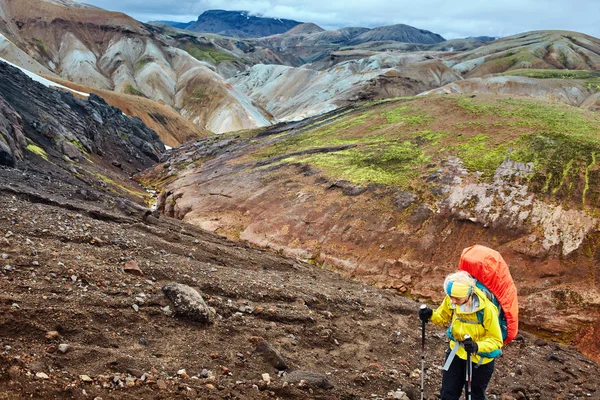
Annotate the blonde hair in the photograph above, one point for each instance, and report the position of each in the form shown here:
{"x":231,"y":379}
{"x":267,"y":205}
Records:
{"x":460,"y":277}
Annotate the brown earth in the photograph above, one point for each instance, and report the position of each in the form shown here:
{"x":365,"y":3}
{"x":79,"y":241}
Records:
{"x":63,"y":282}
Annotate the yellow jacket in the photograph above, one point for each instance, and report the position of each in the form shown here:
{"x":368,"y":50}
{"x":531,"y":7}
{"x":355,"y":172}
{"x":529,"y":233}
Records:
{"x":480,"y":323}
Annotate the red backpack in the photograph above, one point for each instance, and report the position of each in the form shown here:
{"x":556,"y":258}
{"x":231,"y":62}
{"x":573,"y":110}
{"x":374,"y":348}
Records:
{"x":493,"y":277}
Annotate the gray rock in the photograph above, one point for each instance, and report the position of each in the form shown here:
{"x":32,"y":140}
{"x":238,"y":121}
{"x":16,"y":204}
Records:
{"x":70,"y":150}
{"x":403,"y":200}
{"x":6,"y":156}
{"x":271,"y":355}
{"x":187,"y":302}
{"x":347,"y":188}
{"x":205,"y":373}
{"x":308,"y":379}
{"x":420,"y":215}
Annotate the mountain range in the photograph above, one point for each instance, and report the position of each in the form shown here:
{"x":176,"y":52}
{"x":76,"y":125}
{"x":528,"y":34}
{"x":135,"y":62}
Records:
{"x":241,"y":24}
{"x":377,"y":154}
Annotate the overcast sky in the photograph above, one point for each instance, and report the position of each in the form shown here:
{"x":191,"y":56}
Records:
{"x":451,"y":19}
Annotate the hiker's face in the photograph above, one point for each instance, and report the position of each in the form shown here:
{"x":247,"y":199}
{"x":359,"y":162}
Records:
{"x":459,"y":301}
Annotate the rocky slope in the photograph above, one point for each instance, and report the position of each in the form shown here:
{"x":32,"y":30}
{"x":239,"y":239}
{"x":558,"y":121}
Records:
{"x":71,"y":133}
{"x":390,"y":194}
{"x":111,"y":51}
{"x":172,"y":128}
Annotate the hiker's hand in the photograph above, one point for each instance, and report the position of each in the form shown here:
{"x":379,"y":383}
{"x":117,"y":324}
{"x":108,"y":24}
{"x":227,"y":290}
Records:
{"x":425,"y":314}
{"x":470,"y":346}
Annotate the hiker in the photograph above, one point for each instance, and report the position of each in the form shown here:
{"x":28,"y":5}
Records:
{"x":469,"y":313}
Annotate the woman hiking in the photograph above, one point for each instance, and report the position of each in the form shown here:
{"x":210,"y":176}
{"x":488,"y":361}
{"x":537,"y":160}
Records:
{"x":473,"y":328}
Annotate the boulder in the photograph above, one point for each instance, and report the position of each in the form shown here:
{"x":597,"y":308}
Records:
{"x":187,"y":302}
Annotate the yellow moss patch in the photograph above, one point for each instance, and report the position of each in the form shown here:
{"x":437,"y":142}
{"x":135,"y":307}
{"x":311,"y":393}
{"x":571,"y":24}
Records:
{"x":37,"y":150}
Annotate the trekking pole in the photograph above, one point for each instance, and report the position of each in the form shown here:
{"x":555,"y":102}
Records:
{"x":423,"y":306}
{"x":469,"y":370}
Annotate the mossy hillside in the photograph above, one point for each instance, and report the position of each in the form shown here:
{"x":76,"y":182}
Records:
{"x":510,"y":59}
{"x":142,"y":62}
{"x":589,"y":79}
{"x":79,"y":146}
{"x":561,"y":141}
{"x":205,"y":52}
{"x":379,"y":154}
{"x":554,"y":73}
{"x":397,"y":143}
{"x":200,"y":96}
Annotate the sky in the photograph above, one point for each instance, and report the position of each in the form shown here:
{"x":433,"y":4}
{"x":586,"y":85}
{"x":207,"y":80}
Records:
{"x":451,"y":19}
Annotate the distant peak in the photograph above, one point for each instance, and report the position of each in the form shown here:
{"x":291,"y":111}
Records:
{"x":240,"y":23}
{"x":305,"y":29}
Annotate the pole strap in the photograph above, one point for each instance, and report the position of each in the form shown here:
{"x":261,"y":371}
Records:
{"x":451,"y":356}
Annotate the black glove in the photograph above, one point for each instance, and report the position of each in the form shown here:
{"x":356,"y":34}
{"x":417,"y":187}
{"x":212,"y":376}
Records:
{"x":425,"y":314}
{"x":470,"y":346}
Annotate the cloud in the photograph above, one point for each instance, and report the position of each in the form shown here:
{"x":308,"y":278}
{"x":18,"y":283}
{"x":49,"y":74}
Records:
{"x":450,"y":19}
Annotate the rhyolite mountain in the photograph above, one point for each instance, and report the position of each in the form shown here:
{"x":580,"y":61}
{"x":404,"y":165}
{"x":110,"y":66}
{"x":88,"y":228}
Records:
{"x":240,"y":24}
{"x":182,"y":71}
{"x":311,"y":43}
{"x":530,"y":50}
{"x":553,"y":65}
{"x":111,"y":51}
{"x":536,"y":64}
